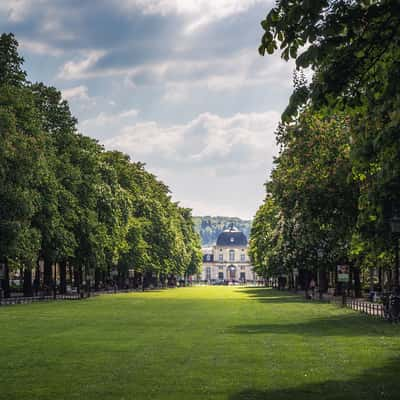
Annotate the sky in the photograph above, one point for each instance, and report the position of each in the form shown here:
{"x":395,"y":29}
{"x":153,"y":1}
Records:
{"x":176,"y":84}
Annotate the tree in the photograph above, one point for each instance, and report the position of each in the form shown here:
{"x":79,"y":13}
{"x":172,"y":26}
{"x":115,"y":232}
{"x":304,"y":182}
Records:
{"x":11,"y":72}
{"x":21,"y":153}
{"x":353,"y":49}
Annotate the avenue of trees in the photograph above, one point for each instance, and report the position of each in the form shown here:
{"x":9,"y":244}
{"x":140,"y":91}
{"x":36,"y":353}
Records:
{"x":334,"y":194}
{"x":66,"y":201}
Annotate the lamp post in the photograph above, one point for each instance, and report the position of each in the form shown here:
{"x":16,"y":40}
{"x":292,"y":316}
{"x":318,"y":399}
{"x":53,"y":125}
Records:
{"x":395,"y":229}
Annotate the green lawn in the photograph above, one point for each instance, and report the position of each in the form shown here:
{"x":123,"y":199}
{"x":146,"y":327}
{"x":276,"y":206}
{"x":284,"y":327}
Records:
{"x":196,"y":343}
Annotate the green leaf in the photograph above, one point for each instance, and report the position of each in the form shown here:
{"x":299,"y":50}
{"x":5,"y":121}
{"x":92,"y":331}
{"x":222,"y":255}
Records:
{"x":265,"y":25}
{"x":270,"y":48}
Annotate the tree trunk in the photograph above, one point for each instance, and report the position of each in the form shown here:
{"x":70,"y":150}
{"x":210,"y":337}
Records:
{"x":147,"y":279}
{"x":77,"y":278}
{"x":63,"y":277}
{"x":6,"y":280}
{"x":137,"y":279}
{"x":306,"y":277}
{"x":28,"y":289}
{"x":371,"y":279}
{"x":36,"y":281}
{"x":357,"y":282}
{"x":71,"y":274}
{"x":97,"y":278}
{"x":121,"y":280}
{"x":323,"y":282}
{"x":48,"y":274}
{"x":389,"y":278}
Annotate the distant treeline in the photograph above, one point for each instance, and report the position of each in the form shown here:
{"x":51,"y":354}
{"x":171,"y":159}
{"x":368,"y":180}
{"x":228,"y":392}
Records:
{"x":210,"y":227}
{"x":72,"y":213}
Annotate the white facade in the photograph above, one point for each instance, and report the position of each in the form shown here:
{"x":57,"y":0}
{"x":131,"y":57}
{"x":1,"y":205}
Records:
{"x":228,"y":261}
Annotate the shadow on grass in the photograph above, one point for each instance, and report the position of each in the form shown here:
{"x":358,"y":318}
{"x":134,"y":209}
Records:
{"x":349,"y":325}
{"x":376,"y":383}
{"x":267,"y":295}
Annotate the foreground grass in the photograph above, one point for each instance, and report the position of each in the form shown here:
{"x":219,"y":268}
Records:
{"x":196,"y":343}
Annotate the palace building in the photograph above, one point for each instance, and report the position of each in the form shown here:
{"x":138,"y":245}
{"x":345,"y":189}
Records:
{"x":228,"y":261}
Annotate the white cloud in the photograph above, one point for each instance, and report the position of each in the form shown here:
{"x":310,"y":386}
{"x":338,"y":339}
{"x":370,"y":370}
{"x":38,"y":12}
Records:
{"x":112,"y":120}
{"x":245,"y":69}
{"x":80,"y":69}
{"x":17,"y":10}
{"x":129,"y":113}
{"x":52,"y":25}
{"x":242,"y":141}
{"x":41,"y":48}
{"x":181,"y":78}
{"x":215,"y":7}
{"x":78,"y":92}
{"x":197,"y":12}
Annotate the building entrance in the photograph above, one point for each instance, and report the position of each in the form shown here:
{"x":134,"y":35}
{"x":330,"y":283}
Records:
{"x":232,"y":272}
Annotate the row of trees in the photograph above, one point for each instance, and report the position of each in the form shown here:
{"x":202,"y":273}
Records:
{"x":65,"y":200}
{"x":335,"y":187}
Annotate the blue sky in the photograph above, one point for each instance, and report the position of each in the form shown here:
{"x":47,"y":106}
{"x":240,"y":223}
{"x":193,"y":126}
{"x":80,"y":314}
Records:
{"x":177,"y":84}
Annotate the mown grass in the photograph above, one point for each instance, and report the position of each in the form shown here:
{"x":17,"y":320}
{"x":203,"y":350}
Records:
{"x":196,"y":343}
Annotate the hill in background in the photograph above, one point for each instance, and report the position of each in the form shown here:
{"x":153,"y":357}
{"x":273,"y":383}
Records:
{"x":210,"y":227}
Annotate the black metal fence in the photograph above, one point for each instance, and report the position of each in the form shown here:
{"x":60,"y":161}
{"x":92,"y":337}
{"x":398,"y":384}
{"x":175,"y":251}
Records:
{"x":26,"y":300}
{"x":71,"y":296}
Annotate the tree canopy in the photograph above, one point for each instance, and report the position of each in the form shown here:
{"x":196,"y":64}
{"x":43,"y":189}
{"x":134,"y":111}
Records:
{"x":336,"y":180}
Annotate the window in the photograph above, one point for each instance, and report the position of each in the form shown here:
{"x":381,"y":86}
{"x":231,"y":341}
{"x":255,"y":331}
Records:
{"x":243,"y":276}
{"x":208,"y":273}
{"x":231,"y":255}
{"x":243,"y":257}
{"x":221,"y":276}
{"x":220,"y":257}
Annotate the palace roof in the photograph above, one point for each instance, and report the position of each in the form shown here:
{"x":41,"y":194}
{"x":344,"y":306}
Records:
{"x":232,"y":237}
